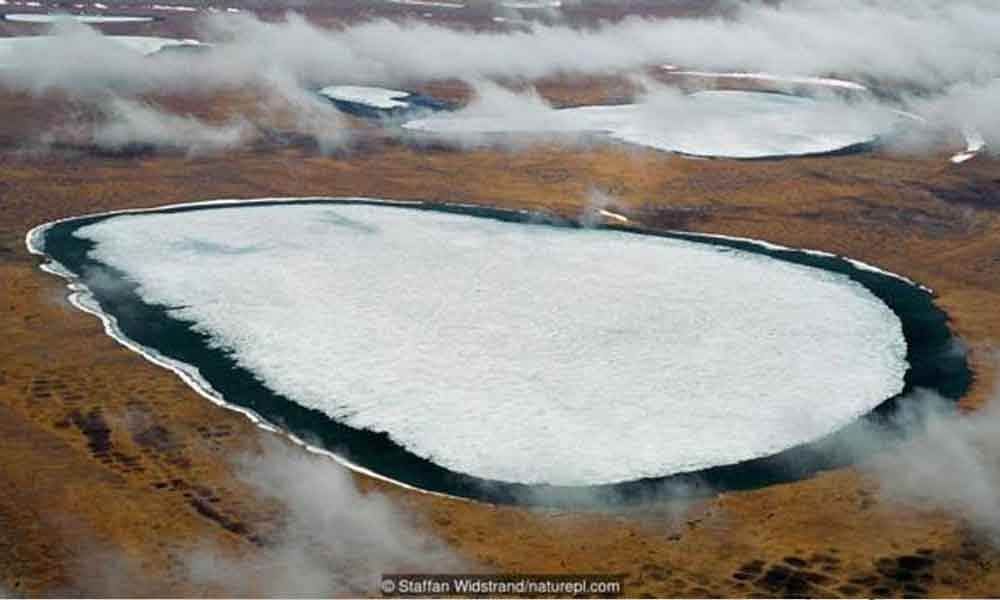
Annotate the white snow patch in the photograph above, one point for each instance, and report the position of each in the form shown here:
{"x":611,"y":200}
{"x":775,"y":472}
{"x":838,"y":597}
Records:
{"x":770,"y":77}
{"x":152,"y":45}
{"x":11,"y":46}
{"x":974,"y":144}
{"x":174,"y":8}
{"x":432,"y":3}
{"x":612,"y":215}
{"x":369,"y":96}
{"x":532,"y":4}
{"x":512,"y":21}
{"x":88,"y":19}
{"x":520,"y":352}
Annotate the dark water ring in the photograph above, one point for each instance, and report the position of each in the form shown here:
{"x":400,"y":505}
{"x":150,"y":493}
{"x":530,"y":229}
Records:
{"x":933,"y":364}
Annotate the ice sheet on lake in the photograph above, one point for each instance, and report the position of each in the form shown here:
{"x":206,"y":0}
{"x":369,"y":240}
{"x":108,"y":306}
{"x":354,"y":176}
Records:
{"x":772,"y":78}
{"x":518,"y":352}
{"x":88,"y":19}
{"x":10,"y":47}
{"x":369,"y":96}
{"x":727,"y":124}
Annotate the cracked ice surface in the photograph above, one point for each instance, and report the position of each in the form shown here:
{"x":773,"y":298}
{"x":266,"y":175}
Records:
{"x":515,"y":352}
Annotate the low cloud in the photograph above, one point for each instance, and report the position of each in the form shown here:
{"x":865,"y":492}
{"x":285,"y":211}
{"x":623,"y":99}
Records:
{"x":328,"y":539}
{"x":595,"y":210}
{"x":944,"y":459}
{"x":967,"y":107}
{"x":930,"y":45}
{"x":931,"y":455}
{"x":666,"y":118}
{"x":935,"y":58}
{"x":333,"y":540}
{"x":131,"y":124}
{"x":287,"y":105}
{"x":499,"y":117}
{"x":926,"y":44}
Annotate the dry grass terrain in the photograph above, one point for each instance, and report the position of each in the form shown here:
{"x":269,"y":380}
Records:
{"x":106,"y":454}
{"x":103,"y":450}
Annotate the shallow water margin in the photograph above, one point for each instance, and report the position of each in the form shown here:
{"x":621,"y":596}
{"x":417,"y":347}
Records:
{"x":150,"y":331}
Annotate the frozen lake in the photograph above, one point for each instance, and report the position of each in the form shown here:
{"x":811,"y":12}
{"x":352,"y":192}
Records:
{"x":721,"y":124}
{"x":520,"y":353}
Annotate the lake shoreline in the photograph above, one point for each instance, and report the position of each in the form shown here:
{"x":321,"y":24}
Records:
{"x":925,"y":329}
